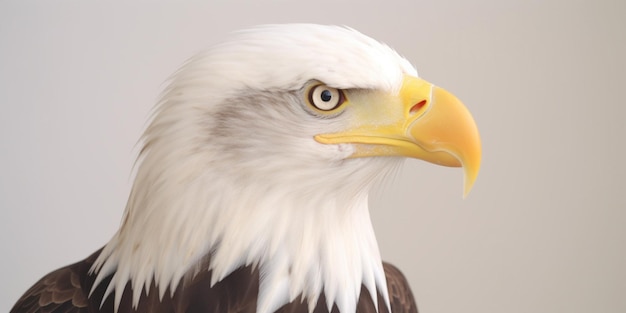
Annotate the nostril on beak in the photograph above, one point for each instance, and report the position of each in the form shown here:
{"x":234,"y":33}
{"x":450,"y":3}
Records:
{"x":418,"y":106}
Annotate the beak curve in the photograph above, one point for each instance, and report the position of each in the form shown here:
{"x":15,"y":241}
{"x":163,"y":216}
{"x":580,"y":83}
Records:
{"x":447,"y":130}
{"x":422,"y":121}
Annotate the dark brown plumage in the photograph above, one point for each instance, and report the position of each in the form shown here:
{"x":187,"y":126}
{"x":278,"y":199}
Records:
{"x":66,"y":290}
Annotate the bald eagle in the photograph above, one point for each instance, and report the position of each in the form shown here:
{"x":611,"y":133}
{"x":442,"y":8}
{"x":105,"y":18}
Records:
{"x":251,"y":193}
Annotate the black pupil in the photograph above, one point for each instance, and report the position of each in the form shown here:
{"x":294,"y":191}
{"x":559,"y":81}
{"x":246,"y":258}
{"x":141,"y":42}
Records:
{"x":326,"y":95}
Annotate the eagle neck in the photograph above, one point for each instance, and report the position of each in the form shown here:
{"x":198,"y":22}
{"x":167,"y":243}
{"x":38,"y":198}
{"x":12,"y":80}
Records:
{"x":302,"y":243}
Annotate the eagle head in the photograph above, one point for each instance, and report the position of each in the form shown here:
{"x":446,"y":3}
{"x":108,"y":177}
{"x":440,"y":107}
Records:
{"x":262,"y":151}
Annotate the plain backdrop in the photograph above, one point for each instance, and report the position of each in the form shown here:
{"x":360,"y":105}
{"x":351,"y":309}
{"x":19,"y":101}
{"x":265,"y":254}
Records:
{"x":542,"y":231}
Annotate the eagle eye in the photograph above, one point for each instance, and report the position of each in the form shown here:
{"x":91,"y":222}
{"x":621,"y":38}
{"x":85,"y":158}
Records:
{"x":325,"y":98}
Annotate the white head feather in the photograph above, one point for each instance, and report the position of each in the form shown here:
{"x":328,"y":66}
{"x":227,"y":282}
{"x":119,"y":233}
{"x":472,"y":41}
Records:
{"x":230,"y":169}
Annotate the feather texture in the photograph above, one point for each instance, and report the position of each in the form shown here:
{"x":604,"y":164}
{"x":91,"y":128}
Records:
{"x":65,"y":291}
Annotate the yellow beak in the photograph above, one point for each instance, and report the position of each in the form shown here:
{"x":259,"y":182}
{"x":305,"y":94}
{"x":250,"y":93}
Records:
{"x":422,"y":121}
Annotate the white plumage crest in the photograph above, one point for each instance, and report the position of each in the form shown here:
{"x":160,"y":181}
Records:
{"x":230,"y":170}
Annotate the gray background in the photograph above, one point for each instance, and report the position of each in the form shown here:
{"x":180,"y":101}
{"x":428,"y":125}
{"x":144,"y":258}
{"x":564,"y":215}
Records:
{"x":542,"y":231}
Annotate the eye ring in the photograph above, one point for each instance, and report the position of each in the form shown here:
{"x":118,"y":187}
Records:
{"x":325,"y":98}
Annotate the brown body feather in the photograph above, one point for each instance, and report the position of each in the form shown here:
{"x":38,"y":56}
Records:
{"x":66,"y":290}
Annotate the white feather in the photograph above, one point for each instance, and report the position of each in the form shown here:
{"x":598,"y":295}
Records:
{"x":230,"y":169}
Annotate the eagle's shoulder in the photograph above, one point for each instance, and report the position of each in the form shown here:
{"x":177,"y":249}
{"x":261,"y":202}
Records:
{"x":400,"y":295}
{"x":62,"y":290}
